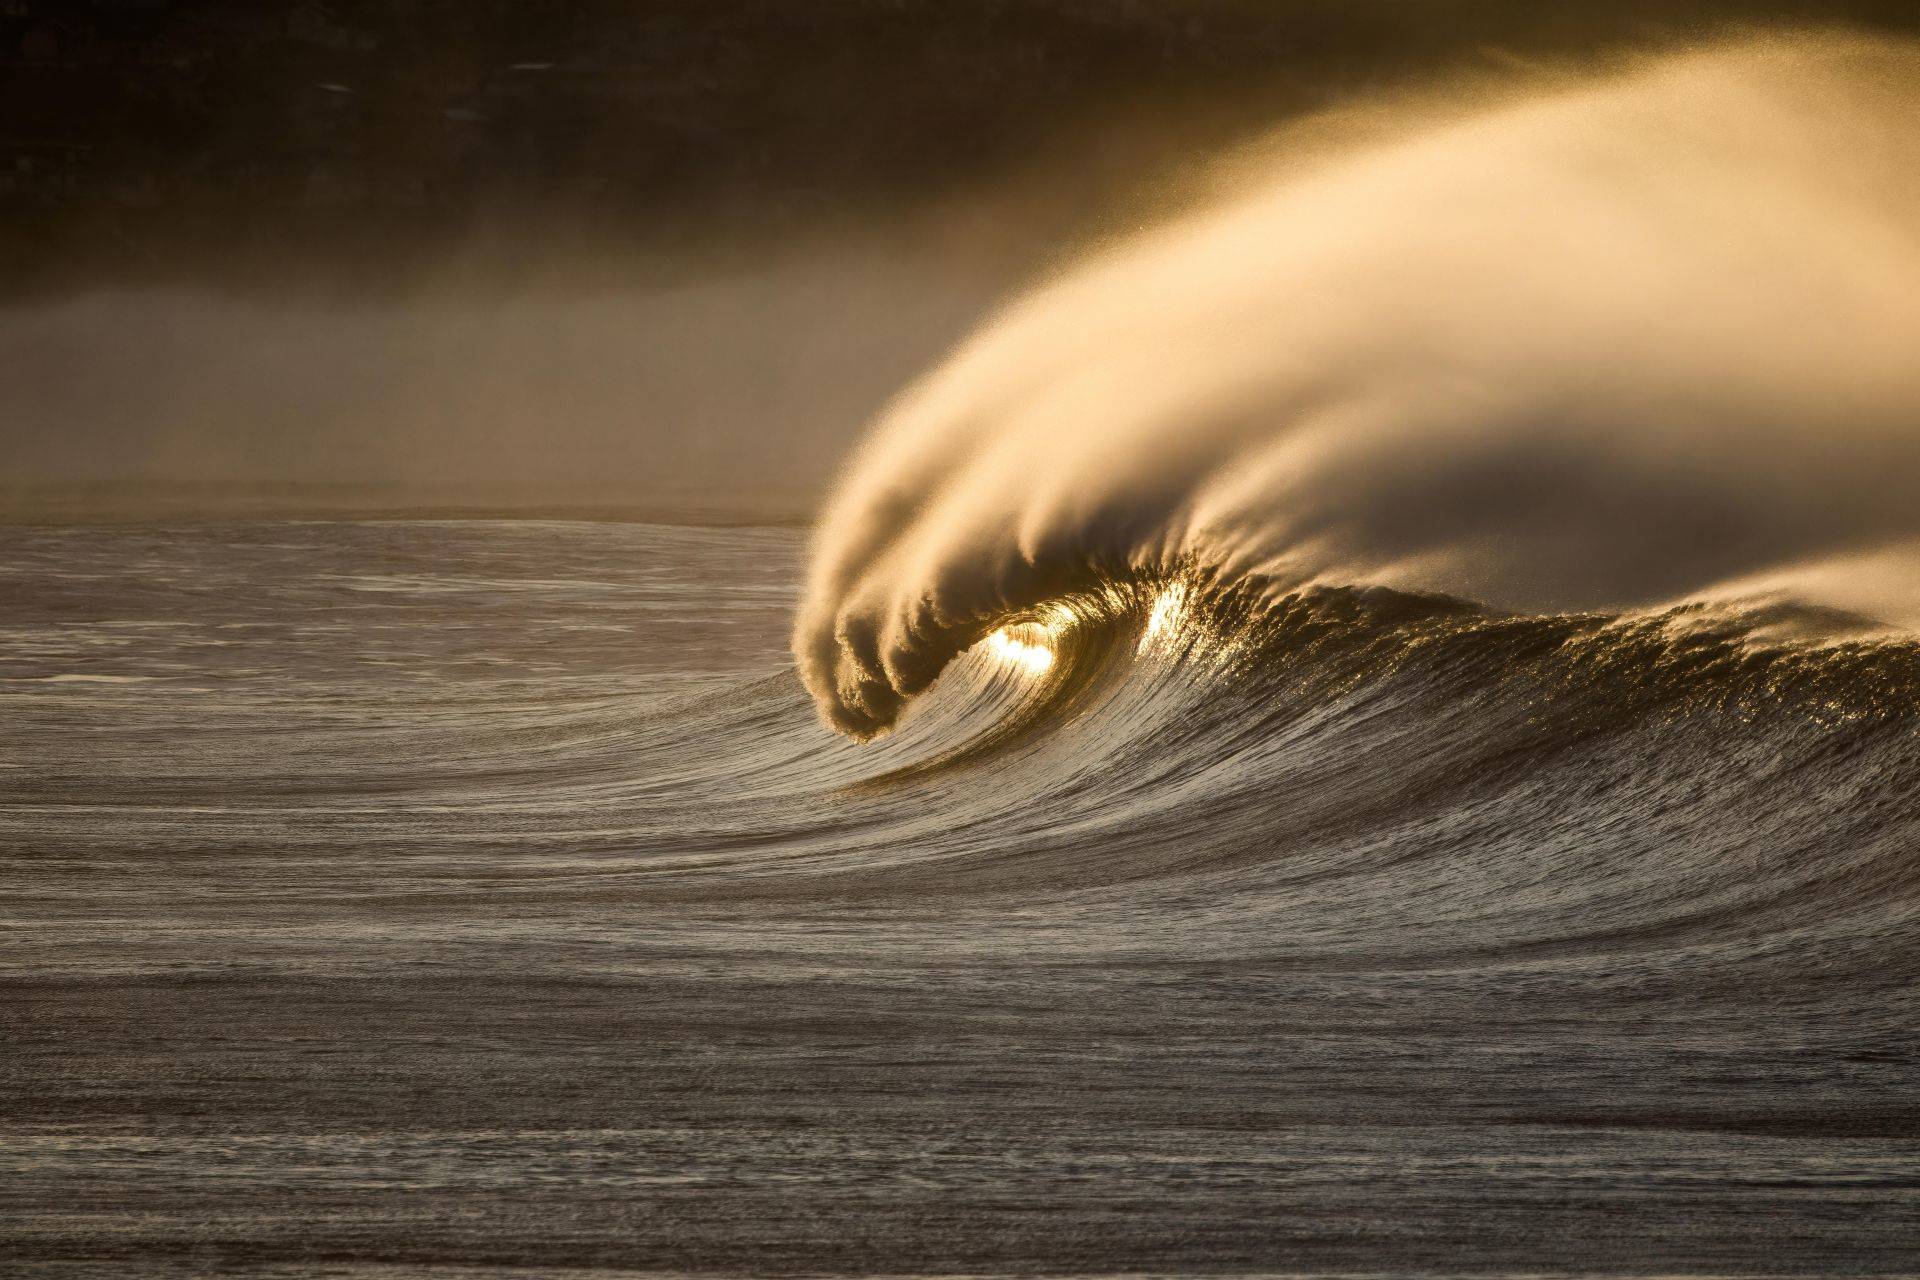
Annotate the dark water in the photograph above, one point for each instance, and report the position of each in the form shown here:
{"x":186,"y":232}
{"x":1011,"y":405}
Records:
{"x":389,"y":896}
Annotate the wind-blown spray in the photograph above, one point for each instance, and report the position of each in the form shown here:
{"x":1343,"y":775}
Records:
{"x":1608,"y":343}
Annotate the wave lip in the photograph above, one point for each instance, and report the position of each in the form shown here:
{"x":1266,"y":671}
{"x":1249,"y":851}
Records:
{"x":1610,"y":342}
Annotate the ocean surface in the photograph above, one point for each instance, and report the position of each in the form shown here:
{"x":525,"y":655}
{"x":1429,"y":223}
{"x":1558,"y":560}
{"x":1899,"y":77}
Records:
{"x":382,"y":897}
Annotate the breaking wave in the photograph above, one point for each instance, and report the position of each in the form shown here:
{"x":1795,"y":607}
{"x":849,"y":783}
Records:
{"x":1397,"y":732}
{"x":1614,"y":355}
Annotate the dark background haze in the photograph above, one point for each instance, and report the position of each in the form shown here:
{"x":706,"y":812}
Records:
{"x":624,"y":257}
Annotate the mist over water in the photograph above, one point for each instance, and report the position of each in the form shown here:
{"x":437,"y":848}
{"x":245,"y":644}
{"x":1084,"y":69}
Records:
{"x":723,"y":385}
{"x":1600,"y":342}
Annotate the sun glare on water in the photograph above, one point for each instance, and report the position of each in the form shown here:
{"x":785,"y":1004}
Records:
{"x":1035,"y":659}
{"x":1164,"y":620}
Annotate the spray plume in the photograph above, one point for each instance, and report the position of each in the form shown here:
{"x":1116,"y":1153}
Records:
{"x":1605,"y":343}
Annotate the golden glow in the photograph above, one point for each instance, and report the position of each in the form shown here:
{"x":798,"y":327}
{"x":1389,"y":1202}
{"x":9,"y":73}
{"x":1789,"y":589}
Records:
{"x":1164,"y":620}
{"x":1034,"y":658}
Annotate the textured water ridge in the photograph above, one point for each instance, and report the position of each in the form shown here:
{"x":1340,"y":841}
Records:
{"x":385,"y":896}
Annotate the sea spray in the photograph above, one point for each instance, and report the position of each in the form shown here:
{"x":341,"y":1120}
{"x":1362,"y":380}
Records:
{"x":1627,"y":340}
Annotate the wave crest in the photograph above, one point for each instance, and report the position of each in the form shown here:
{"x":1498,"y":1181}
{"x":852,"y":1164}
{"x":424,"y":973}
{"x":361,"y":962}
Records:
{"x":1640,"y":338}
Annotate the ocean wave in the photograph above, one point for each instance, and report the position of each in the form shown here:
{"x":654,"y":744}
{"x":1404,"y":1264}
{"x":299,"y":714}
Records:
{"x":1633,"y":342}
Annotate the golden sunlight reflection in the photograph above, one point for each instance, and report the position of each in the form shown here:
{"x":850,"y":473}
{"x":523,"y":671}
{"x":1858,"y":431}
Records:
{"x":1026,"y":651}
{"x":1164,"y":620}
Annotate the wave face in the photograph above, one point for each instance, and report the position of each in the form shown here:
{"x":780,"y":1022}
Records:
{"x":1609,"y":343}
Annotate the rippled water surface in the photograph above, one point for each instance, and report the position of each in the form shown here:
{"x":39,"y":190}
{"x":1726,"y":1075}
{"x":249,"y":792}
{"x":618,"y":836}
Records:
{"x":483,"y":894}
